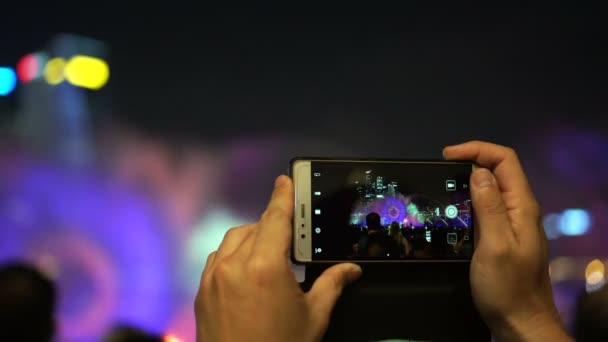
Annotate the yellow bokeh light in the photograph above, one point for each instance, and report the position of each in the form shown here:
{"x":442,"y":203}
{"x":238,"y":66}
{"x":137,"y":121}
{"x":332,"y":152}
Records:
{"x":87,"y":72}
{"x":171,"y":338}
{"x":594,"y":273}
{"x":53,"y":71}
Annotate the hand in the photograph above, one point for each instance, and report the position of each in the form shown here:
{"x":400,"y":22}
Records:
{"x":248,"y":291}
{"x":509,"y":270}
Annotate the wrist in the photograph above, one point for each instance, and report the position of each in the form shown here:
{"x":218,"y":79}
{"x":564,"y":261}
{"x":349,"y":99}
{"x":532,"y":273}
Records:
{"x":544,"y":326}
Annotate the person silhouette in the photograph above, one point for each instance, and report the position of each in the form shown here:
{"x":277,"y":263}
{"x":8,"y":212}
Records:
{"x":398,"y":244}
{"x":27,"y":304}
{"x":373,"y":243}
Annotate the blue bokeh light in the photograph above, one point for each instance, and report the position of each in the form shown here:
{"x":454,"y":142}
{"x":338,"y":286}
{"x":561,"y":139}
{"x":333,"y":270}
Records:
{"x":551,"y":222}
{"x":574,"y":222}
{"x":8,"y":80}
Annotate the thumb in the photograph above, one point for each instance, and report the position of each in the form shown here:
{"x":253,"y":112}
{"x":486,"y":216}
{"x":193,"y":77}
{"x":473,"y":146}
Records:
{"x":327,"y":288}
{"x":490,"y":211}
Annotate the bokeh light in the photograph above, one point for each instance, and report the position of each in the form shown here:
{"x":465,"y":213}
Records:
{"x":115,"y":267}
{"x":551,"y":225}
{"x":53,"y":71}
{"x":595,"y":270}
{"x":140,"y":231}
{"x":87,"y":72}
{"x":49,"y":265}
{"x":595,"y":276}
{"x":73,"y":257}
{"x":570,"y":222}
{"x":562,"y":268}
{"x":27,"y":67}
{"x":205,"y":239}
{"x":171,"y":338}
{"x":182,"y":324}
{"x":30,"y":67}
{"x":574,"y":222}
{"x":8,"y":81}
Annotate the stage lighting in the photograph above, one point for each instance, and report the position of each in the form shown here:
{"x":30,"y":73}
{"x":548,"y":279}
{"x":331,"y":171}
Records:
{"x":171,"y":338}
{"x":53,"y":71}
{"x":87,"y":72}
{"x":8,"y":81}
{"x":30,"y":67}
{"x":574,"y":222}
{"x":595,"y":276}
{"x":551,"y":224}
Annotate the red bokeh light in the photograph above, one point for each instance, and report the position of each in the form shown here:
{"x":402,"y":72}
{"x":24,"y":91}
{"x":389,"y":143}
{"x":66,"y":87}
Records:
{"x":27,"y":68}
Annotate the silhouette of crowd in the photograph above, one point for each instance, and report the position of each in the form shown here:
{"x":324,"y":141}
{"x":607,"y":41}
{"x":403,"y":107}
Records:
{"x":395,"y":241}
{"x":28,"y":307}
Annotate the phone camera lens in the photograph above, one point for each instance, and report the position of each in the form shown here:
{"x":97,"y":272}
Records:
{"x":303,"y":236}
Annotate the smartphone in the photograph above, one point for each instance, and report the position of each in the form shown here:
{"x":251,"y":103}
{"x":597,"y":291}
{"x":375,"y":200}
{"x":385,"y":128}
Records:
{"x":381,"y":210}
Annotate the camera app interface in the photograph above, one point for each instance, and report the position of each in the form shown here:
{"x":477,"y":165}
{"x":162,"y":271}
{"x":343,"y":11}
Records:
{"x":391,"y":211}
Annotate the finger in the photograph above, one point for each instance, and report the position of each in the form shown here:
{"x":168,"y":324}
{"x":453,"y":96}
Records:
{"x":246,"y":248}
{"x":504,"y":164}
{"x":233,"y":239}
{"x":209,"y":264}
{"x":275,"y":228}
{"x":327,"y":289}
{"x":490,"y":211}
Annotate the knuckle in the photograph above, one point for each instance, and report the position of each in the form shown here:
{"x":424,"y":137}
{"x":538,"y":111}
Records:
{"x":259,"y":264}
{"x":231,"y":233}
{"x":211,"y":256}
{"x":492,"y":205}
{"x":510,"y":150}
{"x":261,"y":270}
{"x":501,"y":251}
{"x":511,"y":153}
{"x":224,"y":270}
{"x":207,"y":271}
{"x":205,"y":286}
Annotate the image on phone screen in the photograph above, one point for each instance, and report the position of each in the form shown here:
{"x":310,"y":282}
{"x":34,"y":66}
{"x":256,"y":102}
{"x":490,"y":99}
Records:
{"x":363,"y":210}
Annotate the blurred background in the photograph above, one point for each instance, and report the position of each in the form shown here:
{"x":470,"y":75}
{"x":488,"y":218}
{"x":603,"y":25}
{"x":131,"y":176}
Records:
{"x":133,"y":137}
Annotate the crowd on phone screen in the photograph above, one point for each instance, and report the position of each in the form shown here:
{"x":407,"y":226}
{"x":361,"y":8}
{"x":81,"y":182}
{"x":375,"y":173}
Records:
{"x":395,"y":241}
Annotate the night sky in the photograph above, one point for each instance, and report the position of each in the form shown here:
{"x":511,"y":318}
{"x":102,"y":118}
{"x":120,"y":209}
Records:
{"x":376,"y":78}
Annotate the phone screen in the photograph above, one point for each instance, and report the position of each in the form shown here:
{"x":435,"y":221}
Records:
{"x":391,"y":211}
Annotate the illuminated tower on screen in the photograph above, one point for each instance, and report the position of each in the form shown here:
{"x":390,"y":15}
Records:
{"x":379,"y":185}
{"x":370,"y":188}
{"x":392,"y":189}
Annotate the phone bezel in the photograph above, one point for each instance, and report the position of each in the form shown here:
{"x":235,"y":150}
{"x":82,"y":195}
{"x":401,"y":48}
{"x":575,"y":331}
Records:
{"x":302,"y":225}
{"x":302,"y":247}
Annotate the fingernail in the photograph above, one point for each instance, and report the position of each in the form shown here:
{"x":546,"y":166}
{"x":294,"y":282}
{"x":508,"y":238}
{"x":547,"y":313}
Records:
{"x":443,"y":152}
{"x":445,"y":149}
{"x":482,"y":178}
{"x":354,"y":272}
{"x":279,"y":181}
